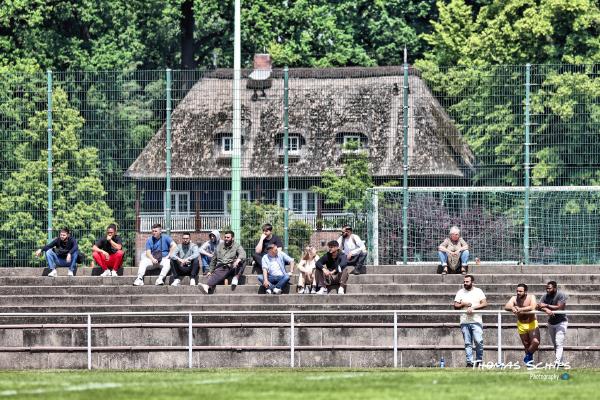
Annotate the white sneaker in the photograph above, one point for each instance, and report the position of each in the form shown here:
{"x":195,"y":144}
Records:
{"x":176,"y":282}
{"x":234,"y":281}
{"x":204,"y":287}
{"x":106,"y":273}
{"x":269,"y":291}
{"x":192,"y":282}
{"x":70,"y":273}
{"x":138,"y":282}
{"x":301,"y":290}
{"x":276,"y":291}
{"x":159,"y":281}
{"x":313,"y":290}
{"x":53,"y":273}
{"x":341,"y":290}
{"x":114,"y":273}
{"x":323,"y":290}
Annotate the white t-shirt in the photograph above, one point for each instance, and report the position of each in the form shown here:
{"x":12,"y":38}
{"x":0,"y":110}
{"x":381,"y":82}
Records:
{"x":473,"y":296}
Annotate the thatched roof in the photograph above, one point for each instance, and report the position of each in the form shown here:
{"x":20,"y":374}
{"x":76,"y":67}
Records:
{"x":324,"y":104}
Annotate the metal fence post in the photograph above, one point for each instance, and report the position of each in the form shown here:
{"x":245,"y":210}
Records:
{"x":49,"y":161}
{"x":190,"y":340}
{"x":286,"y":183}
{"x":292,"y":340}
{"x":89,"y":341}
{"x":499,"y":337}
{"x":405,"y":162}
{"x":527,"y":165}
{"x":395,"y":339}
{"x":168,"y":149}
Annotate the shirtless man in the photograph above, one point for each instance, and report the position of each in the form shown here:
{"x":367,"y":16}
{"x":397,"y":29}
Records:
{"x":527,"y":325}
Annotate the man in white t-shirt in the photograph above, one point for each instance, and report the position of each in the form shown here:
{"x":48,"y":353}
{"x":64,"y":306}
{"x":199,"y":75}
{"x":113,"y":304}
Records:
{"x":471,"y":298}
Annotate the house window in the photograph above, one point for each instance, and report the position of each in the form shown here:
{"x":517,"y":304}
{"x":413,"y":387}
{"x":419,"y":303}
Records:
{"x":180,"y":202}
{"x":354,"y":141}
{"x":227,"y":144}
{"x":245,"y":195}
{"x":294,"y":144}
{"x":300,"y":202}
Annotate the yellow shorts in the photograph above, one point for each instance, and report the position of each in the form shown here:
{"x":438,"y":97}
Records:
{"x":526,"y":327}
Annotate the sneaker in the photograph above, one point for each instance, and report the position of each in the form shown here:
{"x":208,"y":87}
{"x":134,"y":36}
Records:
{"x":138,"y":282}
{"x":301,"y":290}
{"x":341,"y":290}
{"x":159,"y":281}
{"x":53,"y":274}
{"x":313,"y":290}
{"x":176,"y":282}
{"x":192,"y":282}
{"x":307,"y":290}
{"x":114,"y":273}
{"x":276,"y":291}
{"x":268,"y":291}
{"x":105,"y":273}
{"x":234,"y":282}
{"x":528,"y":358}
{"x":204,"y":287}
{"x":323,"y":290}
{"x":70,"y":273}
{"x":469,"y":364}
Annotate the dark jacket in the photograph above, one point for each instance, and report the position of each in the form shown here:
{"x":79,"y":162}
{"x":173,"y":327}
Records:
{"x":335,"y":265}
{"x":62,"y":248}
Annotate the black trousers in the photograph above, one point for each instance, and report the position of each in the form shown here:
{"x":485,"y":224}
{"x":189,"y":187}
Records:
{"x":190,"y":270}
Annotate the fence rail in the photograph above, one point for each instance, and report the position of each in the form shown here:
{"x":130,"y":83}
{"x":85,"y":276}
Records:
{"x":190,"y":347}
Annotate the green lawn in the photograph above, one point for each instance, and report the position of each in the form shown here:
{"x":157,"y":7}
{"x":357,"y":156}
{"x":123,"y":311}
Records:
{"x":305,"y":384}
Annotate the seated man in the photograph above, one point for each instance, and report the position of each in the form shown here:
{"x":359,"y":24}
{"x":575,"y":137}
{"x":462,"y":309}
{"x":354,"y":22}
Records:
{"x":454,"y":253}
{"x":266,"y":238}
{"x":331,"y":269}
{"x":275,"y":277}
{"x":354,"y":249}
{"x":185,"y":261}
{"x":228,"y":263}
{"x":159,"y":250}
{"x":62,"y":251}
{"x":207,"y":250}
{"x":108,"y":251}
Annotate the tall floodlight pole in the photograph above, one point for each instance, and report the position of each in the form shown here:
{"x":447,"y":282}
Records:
{"x":405,"y":163}
{"x":237,"y":128}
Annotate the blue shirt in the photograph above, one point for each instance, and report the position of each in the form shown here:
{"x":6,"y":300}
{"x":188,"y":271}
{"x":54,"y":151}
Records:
{"x":275,"y":266}
{"x":163,"y":244}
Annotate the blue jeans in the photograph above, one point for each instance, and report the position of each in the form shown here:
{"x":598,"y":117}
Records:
{"x":473,"y":332}
{"x":205,"y":262}
{"x":54,"y":261}
{"x":278,"y":282}
{"x":464,"y":257}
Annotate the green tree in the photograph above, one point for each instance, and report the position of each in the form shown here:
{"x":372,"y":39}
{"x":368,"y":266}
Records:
{"x":77,"y":188}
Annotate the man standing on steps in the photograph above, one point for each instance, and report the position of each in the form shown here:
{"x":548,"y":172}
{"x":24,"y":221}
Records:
{"x":229,"y":262}
{"x":471,"y":298}
{"x":331,"y":269}
{"x":108,"y":251}
{"x":159,"y":251}
{"x":522,"y":306}
{"x":62,"y":252}
{"x":265,"y":240}
{"x":354,"y":249}
{"x":553,"y":301}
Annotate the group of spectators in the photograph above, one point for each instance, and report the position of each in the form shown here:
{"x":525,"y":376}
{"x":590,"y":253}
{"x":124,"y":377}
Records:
{"x":222,"y":260}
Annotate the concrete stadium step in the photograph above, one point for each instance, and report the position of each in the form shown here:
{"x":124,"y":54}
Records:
{"x":429,"y":268}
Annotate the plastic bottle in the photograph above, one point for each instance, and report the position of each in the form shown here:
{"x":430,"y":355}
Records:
{"x":442,"y":362}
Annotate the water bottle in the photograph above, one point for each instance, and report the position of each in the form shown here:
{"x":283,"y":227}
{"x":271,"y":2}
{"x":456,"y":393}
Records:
{"x":442,"y":362}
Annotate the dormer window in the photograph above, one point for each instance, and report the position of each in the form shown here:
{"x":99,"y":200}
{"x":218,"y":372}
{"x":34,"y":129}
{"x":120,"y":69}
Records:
{"x":295,"y":143}
{"x":227,"y":144}
{"x":352,"y":141}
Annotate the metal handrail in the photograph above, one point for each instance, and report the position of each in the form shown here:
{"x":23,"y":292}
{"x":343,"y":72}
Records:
{"x":292,"y":315}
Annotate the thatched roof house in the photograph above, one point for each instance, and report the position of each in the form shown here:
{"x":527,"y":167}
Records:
{"x":326,"y":108}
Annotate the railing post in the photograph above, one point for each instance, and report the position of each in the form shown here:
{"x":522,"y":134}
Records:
{"x":190,"y":340}
{"x":395,"y":339}
{"x":89,"y":341}
{"x":286,"y":184}
{"x":499,"y":337}
{"x":292,"y":340}
{"x":527,"y":163}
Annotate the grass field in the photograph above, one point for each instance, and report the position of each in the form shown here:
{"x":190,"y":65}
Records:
{"x":302,"y":384}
